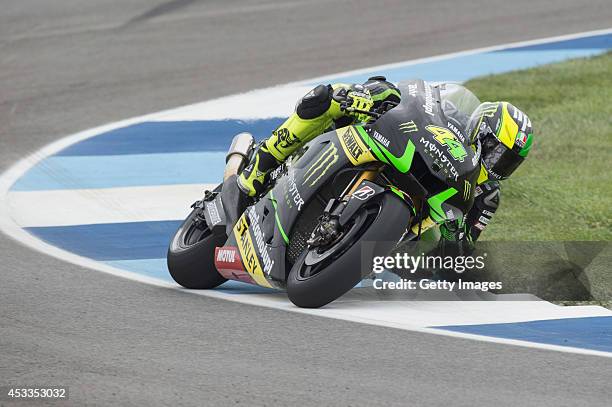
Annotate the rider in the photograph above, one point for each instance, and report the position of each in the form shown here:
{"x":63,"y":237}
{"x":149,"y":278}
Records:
{"x":503,"y":131}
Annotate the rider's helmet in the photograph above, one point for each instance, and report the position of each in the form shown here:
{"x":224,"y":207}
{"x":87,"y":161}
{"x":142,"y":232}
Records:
{"x":505,"y":136}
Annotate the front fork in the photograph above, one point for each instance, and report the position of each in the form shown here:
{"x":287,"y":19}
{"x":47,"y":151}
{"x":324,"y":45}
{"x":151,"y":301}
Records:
{"x":369,"y":175}
{"x":330,"y":225}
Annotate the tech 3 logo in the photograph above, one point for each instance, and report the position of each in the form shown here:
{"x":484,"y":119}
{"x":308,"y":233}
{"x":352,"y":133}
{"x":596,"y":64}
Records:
{"x":446,"y":138}
{"x":321,"y":165}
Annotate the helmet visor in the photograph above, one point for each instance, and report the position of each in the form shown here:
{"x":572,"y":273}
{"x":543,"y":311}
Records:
{"x":499,"y":160}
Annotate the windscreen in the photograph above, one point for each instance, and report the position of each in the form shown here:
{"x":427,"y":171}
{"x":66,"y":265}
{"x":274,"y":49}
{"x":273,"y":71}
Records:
{"x":458,"y":101}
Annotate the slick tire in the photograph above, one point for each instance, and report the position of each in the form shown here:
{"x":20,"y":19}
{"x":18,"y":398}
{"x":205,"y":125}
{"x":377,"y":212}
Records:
{"x":313,"y":283}
{"x":191,"y":255}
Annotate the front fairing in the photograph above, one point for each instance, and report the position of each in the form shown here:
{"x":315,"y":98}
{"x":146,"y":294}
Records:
{"x":441,"y":159}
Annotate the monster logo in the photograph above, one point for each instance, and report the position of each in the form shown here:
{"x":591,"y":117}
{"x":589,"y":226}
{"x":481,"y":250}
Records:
{"x":321,"y":165}
{"x":467,"y":187}
{"x":408,"y":127}
{"x":489,"y":109}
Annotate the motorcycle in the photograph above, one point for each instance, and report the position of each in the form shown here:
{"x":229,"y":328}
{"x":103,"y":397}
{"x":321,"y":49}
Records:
{"x":347,"y":196}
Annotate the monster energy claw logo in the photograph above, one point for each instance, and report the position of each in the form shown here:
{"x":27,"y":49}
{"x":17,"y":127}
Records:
{"x":408,"y":127}
{"x":321,"y":165}
{"x":489,"y":109}
{"x":467,"y":186}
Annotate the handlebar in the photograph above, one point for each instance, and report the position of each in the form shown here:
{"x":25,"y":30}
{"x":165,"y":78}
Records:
{"x":376,"y":115}
{"x":382,"y":109}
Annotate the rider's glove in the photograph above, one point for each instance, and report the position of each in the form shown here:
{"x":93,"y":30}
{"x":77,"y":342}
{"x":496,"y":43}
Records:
{"x":358,"y":99}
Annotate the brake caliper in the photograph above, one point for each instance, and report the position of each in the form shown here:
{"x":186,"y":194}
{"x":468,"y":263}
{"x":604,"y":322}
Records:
{"x":328,"y":229}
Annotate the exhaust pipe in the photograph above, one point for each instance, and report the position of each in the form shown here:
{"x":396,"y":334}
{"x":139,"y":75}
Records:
{"x":238,"y":154}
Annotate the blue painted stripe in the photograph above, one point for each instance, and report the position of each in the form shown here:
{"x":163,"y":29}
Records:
{"x":171,"y":137}
{"x":466,"y":67}
{"x":156,"y":268}
{"x":587,"y":333}
{"x":85,"y":172}
{"x":603,"y":42}
{"x":112,"y":241}
{"x":463,"y":68}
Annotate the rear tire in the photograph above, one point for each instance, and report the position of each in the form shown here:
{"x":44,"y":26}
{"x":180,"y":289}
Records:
{"x":191,"y":255}
{"x":313,"y":284}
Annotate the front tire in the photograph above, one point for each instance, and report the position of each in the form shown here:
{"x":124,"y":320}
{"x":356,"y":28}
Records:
{"x":313,"y":283}
{"x":191,"y":254}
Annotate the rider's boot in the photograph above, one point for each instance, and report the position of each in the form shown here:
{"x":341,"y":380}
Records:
{"x":314,"y":113}
{"x":251,"y":180}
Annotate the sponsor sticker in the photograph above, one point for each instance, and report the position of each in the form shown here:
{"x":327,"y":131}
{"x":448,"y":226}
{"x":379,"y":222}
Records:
{"x":521,"y":139}
{"x":356,"y":151}
{"x":364,"y":192}
{"x":467,"y":187}
{"x":321,"y":165}
{"x":226,"y":254}
{"x":429,"y":101}
{"x":439,"y":158}
{"x":213,"y":212}
{"x":260,"y":240}
{"x":446,"y":138}
{"x":294,"y":191}
{"x":408,"y":127}
{"x":381,"y":139}
{"x":412,"y":89}
{"x":247,"y":252}
{"x":484,"y":220}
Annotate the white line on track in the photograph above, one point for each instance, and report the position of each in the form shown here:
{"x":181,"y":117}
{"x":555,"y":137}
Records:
{"x":9,"y":226}
{"x":105,"y":205}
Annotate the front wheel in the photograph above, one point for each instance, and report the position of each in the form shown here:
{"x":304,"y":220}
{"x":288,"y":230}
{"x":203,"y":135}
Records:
{"x":322,"y":274}
{"x":191,"y":254}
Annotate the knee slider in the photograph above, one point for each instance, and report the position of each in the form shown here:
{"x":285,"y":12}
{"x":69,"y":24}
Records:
{"x":314,"y":103}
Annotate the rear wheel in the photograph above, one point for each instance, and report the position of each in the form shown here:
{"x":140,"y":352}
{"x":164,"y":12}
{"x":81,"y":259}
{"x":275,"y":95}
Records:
{"x":191,"y":253}
{"x":322,"y":274}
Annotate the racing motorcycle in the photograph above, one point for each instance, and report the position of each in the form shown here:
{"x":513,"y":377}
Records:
{"x":348,"y":195}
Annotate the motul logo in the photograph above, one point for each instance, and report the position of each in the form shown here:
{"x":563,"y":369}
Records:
{"x":226,"y":255}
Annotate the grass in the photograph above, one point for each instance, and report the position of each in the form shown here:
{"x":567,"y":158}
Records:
{"x":563,"y":191}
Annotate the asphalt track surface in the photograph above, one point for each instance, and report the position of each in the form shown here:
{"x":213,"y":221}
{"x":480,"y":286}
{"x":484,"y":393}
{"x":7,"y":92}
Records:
{"x":69,"y":65}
